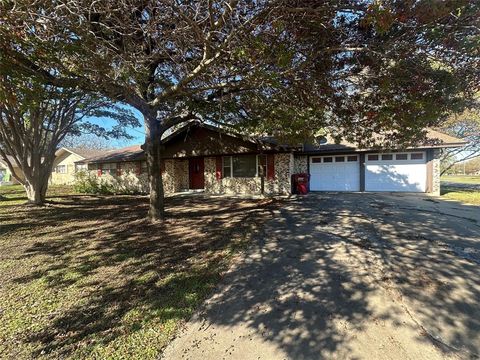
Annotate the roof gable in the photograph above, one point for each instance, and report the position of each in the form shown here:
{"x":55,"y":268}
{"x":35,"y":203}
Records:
{"x":205,"y":140}
{"x":82,"y":152}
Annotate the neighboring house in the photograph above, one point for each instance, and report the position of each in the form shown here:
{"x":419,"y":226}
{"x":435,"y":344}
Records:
{"x":6,"y":177}
{"x":200,"y":156}
{"x":64,"y":167}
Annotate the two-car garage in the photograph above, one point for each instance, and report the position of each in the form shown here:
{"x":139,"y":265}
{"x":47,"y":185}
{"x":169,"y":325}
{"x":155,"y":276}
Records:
{"x":395,"y":172}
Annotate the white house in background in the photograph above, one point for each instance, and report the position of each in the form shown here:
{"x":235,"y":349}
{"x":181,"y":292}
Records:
{"x":64,"y":167}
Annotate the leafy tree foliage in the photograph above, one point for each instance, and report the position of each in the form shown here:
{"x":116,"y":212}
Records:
{"x":288,"y":68}
{"x":34,"y":120}
{"x":465,"y":126}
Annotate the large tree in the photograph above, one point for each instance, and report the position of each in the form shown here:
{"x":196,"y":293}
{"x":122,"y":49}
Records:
{"x":465,"y":126}
{"x":35,"y":118}
{"x":285,"y":67}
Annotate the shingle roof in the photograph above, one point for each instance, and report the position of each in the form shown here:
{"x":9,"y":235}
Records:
{"x":136,"y":153}
{"x":85,"y":152}
{"x":435,"y":139}
{"x":130,"y":153}
{"x":445,"y":139}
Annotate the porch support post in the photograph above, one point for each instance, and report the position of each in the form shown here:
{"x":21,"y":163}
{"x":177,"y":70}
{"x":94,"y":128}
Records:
{"x":362,"y":172}
{"x":429,"y":187}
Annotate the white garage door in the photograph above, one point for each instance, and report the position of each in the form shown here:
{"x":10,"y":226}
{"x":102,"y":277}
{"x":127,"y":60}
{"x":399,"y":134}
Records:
{"x":396,"y":172}
{"x":335,"y":173}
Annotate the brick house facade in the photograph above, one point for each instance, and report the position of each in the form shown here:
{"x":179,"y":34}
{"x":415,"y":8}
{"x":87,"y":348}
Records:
{"x":203,"y":157}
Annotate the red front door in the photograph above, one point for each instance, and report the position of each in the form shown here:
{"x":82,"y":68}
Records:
{"x":197,"y":176}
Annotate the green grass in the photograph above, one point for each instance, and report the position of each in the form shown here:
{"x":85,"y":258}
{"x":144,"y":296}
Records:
{"x":89,"y":278}
{"x":16,"y":195}
{"x":462,"y":179}
{"x":466,"y":196}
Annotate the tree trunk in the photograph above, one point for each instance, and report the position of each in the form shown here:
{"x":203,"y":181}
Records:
{"x":156,"y":211}
{"x":36,"y":190}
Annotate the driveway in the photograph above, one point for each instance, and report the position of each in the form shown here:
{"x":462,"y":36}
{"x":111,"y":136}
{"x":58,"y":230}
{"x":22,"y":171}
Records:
{"x":357,"y":276}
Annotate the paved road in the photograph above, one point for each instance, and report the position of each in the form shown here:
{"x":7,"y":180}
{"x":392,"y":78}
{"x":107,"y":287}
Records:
{"x":348,"y":276}
{"x":462,"y":186}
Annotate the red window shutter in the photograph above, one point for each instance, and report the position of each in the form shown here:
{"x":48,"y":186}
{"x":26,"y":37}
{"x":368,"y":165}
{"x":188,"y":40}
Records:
{"x":119,"y":169}
{"x":99,"y":170}
{"x":218,"y":163}
{"x":139,"y":167}
{"x":270,"y":167}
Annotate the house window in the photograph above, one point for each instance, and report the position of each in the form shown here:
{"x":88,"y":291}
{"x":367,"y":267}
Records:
{"x":416,"y":156}
{"x":387,"y":157}
{"x":401,"y":157}
{"x":372,"y":157}
{"x":80,"y":167}
{"x":340,"y":159}
{"x":352,"y":158}
{"x":227,"y":166}
{"x":316,"y":160}
{"x":244,"y":165}
{"x":61,"y":169}
{"x":109,"y":168}
{"x":327,"y":159}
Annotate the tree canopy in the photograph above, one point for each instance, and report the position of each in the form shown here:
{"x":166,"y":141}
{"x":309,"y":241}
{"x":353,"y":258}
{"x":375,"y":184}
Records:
{"x":34,"y":120}
{"x":349,"y":65}
{"x":466,"y":126}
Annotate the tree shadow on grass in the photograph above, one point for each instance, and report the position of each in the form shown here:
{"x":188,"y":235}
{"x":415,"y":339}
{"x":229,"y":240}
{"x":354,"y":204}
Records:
{"x":120,"y":274}
{"x":305,"y":285}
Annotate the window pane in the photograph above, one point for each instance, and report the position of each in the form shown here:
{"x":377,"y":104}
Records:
{"x":352,"y":158}
{"x":227,"y":170}
{"x":372,"y":157}
{"x":339,"y":159}
{"x":327,"y":159}
{"x":401,"y":157}
{"x":316,"y":160}
{"x":244,"y":166}
{"x":387,"y":157}
{"x":417,"y":156}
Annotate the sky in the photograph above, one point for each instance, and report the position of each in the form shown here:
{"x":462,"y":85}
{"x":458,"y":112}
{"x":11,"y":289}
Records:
{"x":137,"y":134}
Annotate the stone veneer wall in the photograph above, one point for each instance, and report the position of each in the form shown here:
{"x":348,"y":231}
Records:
{"x":175,"y":177}
{"x":436,"y":172}
{"x":300,"y":164}
{"x":281,"y":184}
{"x":129,"y":181}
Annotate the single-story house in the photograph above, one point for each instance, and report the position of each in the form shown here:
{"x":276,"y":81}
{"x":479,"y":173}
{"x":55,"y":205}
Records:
{"x":65,"y":167}
{"x":6,"y":177}
{"x":200,"y":156}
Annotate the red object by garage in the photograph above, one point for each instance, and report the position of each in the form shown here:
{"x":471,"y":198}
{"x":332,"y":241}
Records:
{"x":300,"y":183}
{"x":302,"y":189}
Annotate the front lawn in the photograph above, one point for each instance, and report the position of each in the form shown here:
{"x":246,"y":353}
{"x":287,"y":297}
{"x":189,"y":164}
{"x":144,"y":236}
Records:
{"x":15,"y":194}
{"x":465,"y":189}
{"x":89,"y":277}
{"x":467,"y":196}
{"x":462,"y":179}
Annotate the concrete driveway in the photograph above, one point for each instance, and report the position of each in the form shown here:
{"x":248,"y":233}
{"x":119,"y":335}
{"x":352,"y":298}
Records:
{"x":348,"y":276}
